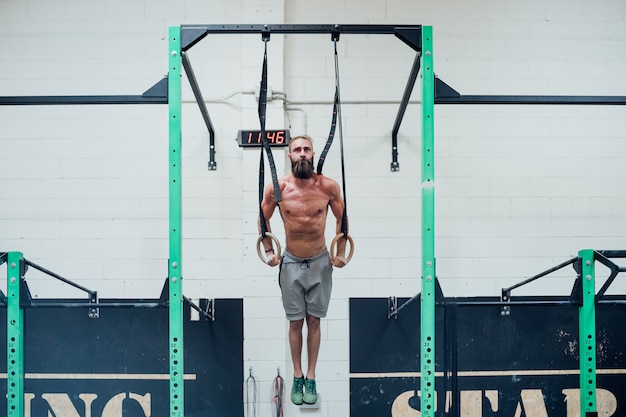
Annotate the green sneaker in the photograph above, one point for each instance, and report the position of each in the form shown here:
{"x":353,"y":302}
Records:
{"x":310,"y":391}
{"x":296,"y":390}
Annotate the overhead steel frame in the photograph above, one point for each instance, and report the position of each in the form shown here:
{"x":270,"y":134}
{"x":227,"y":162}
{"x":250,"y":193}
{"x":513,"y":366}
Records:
{"x":182,"y":38}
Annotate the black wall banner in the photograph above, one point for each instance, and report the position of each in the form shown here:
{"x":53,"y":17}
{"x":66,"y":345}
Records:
{"x":524,"y":364}
{"x":118,"y":364}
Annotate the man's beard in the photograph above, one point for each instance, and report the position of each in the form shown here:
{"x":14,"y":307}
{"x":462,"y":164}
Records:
{"x":302,"y":168}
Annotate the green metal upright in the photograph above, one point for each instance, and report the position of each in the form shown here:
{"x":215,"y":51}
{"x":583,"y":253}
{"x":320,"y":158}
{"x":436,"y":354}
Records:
{"x":587,"y":334}
{"x":176,"y":346}
{"x":15,"y":336}
{"x":427,"y":353}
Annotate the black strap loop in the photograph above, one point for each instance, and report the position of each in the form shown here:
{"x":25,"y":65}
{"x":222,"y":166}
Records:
{"x":262,"y":110}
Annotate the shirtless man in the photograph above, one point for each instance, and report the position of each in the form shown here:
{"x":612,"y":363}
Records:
{"x":305,"y":275}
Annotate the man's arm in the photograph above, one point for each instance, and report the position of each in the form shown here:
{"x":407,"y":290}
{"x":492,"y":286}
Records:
{"x":268,"y":206}
{"x":337,"y":206}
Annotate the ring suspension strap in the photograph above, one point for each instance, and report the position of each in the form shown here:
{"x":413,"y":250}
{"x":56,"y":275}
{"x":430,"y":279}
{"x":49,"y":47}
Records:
{"x":336,"y":122}
{"x":262,"y":110}
{"x":331,"y":134}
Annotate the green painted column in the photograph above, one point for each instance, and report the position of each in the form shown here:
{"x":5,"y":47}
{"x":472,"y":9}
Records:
{"x":176,"y":346}
{"x":587,"y":334}
{"x":427,"y":353}
{"x":15,"y":337}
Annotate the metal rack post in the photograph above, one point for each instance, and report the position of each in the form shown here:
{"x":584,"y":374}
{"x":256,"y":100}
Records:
{"x":587,"y":334}
{"x":15,"y":336}
{"x":427,"y":352}
{"x":176,"y":346}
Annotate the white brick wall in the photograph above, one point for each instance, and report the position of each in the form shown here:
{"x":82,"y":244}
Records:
{"x":519,"y":188}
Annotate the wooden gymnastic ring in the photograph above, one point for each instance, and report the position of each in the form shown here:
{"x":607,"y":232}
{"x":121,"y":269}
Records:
{"x":259,"y":245}
{"x":334,"y":243}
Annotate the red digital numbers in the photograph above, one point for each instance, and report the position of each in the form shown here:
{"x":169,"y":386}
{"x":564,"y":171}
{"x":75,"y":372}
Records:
{"x":258,"y":137}
{"x":273,"y":137}
{"x":276,"y":137}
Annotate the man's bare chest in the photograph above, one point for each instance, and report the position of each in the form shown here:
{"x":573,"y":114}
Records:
{"x":304,"y":207}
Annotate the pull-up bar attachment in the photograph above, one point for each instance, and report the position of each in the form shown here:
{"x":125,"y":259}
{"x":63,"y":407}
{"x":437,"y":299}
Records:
{"x":444,"y":94}
{"x":157,"y":94}
{"x":411,"y":35}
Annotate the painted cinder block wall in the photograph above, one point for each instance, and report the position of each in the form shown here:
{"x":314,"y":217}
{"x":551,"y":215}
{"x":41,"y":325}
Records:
{"x":519,"y":189}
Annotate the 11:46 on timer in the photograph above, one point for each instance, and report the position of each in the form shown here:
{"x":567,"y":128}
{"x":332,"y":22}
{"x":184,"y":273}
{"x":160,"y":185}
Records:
{"x":252,"y":138}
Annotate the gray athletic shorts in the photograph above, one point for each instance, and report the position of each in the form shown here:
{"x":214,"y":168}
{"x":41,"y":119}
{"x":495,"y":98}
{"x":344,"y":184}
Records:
{"x":306,"y":284}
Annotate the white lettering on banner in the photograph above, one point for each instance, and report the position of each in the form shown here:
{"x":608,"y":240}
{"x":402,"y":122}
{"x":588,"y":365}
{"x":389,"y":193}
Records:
{"x":492,"y":396}
{"x":113,"y":408}
{"x":145,"y":401}
{"x":532,"y":403}
{"x":87,"y":399}
{"x":472,"y":402}
{"x":62,"y":405}
{"x":606,"y":402}
{"x":27,"y":398}
{"x":401,"y":407}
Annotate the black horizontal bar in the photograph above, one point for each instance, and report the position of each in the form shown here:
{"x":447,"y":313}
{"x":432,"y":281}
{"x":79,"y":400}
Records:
{"x":479,"y":303}
{"x":299,"y":28}
{"x":192,"y":34}
{"x":71,"y":100}
{"x":144,"y":304}
{"x":501,"y":99}
{"x":613,"y":253}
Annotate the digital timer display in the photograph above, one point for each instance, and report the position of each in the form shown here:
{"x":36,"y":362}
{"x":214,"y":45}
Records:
{"x":252,"y":138}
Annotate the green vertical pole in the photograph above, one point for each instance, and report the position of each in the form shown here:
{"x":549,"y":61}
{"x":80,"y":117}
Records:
{"x":176,"y":346}
{"x":427,"y":353}
{"x":587,"y":334}
{"x":15,"y":337}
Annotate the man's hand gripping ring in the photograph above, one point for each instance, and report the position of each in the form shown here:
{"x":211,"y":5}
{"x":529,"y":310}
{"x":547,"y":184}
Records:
{"x":260,"y":249}
{"x":334,"y":243}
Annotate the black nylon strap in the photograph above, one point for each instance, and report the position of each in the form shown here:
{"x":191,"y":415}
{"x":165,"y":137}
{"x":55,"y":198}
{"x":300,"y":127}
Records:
{"x":331,"y":134}
{"x":344,"y":218}
{"x":336,"y":122}
{"x":262,"y":110}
